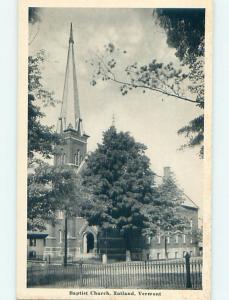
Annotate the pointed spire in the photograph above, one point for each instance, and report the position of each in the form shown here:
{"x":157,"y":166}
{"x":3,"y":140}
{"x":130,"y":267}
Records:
{"x":70,"y":110}
{"x":71,"y":35}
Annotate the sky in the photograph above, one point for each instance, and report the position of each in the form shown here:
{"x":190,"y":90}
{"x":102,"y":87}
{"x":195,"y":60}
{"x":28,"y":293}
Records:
{"x":148,"y":119}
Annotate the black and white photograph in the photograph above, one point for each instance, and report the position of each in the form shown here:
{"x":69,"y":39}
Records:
{"x":117,"y":192}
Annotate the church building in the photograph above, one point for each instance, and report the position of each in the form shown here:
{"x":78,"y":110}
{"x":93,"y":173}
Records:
{"x":87,"y":242}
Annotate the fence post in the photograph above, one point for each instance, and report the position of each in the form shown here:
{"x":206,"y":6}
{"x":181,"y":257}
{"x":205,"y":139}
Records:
{"x":146,"y":272}
{"x":81,"y":273}
{"x":104,"y":258}
{"x":188,"y":275}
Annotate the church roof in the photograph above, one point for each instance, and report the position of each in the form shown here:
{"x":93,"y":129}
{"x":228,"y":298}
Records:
{"x":188,"y":202}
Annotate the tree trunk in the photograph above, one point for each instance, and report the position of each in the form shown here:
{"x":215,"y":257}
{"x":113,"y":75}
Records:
{"x":65,"y":241}
{"x":166,"y":253}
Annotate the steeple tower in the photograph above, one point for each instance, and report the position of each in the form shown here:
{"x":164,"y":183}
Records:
{"x":70,"y":110}
{"x":70,"y":122}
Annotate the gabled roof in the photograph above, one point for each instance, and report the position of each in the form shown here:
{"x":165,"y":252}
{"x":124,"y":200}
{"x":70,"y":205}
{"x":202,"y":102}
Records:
{"x":189,"y":203}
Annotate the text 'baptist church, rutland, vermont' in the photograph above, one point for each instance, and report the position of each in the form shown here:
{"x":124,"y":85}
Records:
{"x":89,"y":242}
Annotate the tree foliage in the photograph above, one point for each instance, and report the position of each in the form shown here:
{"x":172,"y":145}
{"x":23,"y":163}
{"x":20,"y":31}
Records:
{"x":154,"y":76}
{"x":198,"y":235}
{"x":185,"y":32}
{"x":34,"y":20}
{"x":185,"y":29}
{"x":164,"y":216}
{"x":41,"y":138}
{"x":34,"y":15}
{"x":123,"y":192}
{"x":50,"y":189}
{"x":119,"y":175}
{"x":195,"y":132}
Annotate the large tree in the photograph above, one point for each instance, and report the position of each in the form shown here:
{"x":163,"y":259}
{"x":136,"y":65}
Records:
{"x":41,"y":138}
{"x":119,"y":176}
{"x":50,"y":188}
{"x":165,"y":215}
{"x":123,"y":191}
{"x":185,"y":32}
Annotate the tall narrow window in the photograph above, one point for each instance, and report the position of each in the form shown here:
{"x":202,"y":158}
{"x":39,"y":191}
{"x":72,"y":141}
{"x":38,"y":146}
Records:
{"x":59,"y":215}
{"x":78,"y":157}
{"x":176,"y":254}
{"x":191,"y":223}
{"x":184,"y":238}
{"x":60,"y":236}
{"x":32,"y":242}
{"x":159,"y":238}
{"x":158,"y":255}
{"x":168,"y":239}
{"x":177,"y":239}
{"x":75,"y":159}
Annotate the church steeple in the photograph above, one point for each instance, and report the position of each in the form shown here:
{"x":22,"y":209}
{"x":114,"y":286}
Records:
{"x":70,"y":110}
{"x":70,"y":123}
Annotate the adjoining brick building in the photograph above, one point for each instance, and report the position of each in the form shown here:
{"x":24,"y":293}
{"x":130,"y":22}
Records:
{"x":88,"y":241}
{"x":177,"y":244}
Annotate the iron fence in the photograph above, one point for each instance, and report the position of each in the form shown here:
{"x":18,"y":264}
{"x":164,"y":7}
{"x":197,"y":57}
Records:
{"x":167,"y":274}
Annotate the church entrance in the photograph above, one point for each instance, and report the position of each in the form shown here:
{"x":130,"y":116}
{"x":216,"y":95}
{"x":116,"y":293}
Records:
{"x":89,"y":243}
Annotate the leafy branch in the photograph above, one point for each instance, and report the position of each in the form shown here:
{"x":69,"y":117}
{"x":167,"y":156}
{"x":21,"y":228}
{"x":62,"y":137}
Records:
{"x":157,"y":77}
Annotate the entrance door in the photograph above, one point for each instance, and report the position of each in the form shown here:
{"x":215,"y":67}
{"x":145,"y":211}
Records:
{"x":90,"y":243}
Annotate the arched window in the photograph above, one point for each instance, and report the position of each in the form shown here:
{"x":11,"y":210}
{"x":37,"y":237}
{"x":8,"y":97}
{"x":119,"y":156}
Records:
{"x":58,"y":159}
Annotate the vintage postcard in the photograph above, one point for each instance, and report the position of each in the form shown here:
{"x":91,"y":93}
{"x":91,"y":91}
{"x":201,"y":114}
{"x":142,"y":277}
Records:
{"x":114,"y":150}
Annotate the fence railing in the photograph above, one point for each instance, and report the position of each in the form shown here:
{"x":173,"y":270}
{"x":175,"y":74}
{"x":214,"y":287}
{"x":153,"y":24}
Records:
{"x":167,"y":274}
